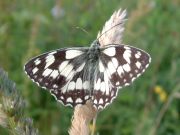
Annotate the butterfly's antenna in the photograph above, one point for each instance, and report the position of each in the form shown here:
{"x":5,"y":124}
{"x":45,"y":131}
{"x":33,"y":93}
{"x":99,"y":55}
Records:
{"x":121,"y":23}
{"x":85,"y":31}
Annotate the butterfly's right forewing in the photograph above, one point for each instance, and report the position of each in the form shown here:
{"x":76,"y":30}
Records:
{"x":61,"y":72}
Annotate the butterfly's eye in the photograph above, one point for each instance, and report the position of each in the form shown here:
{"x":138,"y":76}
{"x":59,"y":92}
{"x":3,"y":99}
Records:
{"x":98,"y":44}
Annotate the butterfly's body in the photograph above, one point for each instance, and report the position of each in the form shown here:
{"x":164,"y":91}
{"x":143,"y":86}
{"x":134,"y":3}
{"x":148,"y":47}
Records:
{"x":93,"y":52}
{"x":75,"y":75}
{"x":91,"y":56}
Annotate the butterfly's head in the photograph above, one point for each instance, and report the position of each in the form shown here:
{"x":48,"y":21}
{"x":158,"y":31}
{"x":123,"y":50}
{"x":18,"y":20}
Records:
{"x":95,"y":44}
{"x":94,"y":51}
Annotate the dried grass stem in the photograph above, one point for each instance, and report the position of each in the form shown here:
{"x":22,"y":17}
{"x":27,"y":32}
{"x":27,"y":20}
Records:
{"x":82,"y":117}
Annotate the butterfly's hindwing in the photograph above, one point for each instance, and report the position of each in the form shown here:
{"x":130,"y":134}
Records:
{"x":103,"y":92}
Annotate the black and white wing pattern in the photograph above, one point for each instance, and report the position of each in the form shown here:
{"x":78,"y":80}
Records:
{"x":62,"y":72}
{"x":119,"y":65}
{"x":69,"y":75}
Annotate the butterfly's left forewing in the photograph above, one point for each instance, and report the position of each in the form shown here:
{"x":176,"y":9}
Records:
{"x":123,"y":64}
{"x":61,"y":72}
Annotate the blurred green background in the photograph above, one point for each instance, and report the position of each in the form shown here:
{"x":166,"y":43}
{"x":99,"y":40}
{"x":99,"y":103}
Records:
{"x":151,"y":105}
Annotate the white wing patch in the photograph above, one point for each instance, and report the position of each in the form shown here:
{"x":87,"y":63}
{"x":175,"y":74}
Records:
{"x":49,"y":60}
{"x":37,"y":62}
{"x":54,"y":74}
{"x":69,"y":99}
{"x":86,"y":85}
{"x":78,"y":100}
{"x":70,"y":54}
{"x":47,"y":72}
{"x":101,"y":66}
{"x":111,"y":68}
{"x":72,"y":85}
{"x":110,"y":51}
{"x":35,"y":70}
{"x":115,"y":62}
{"x":103,"y":87}
{"x":138,"y":64}
{"x":81,"y":67}
{"x":97,"y":84}
{"x":127,"y":55}
{"x":67,"y":70}
{"x":120,"y":70}
{"x":138,"y":55}
{"x":63,"y":65}
{"x":126,"y":67}
{"x":79,"y":84}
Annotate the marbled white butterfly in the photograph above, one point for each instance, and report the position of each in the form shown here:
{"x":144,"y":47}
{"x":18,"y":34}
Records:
{"x":75,"y":75}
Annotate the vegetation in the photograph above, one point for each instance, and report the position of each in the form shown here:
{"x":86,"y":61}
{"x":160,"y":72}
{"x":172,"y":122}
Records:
{"x":149,"y":106}
{"x":12,"y":109}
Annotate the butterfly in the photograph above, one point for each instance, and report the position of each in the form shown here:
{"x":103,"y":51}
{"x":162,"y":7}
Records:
{"x":96,"y":73}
